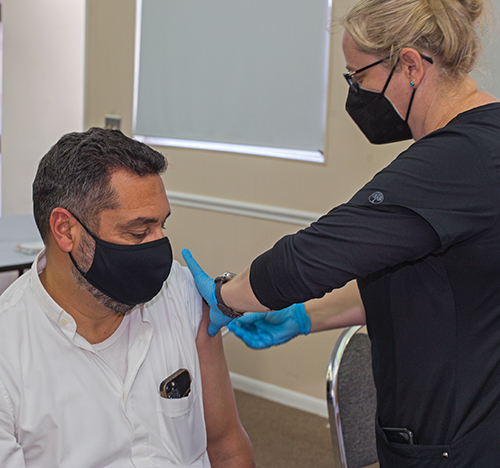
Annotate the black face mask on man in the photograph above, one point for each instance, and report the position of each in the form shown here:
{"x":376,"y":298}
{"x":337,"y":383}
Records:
{"x":129,"y":274}
{"x":375,"y":115}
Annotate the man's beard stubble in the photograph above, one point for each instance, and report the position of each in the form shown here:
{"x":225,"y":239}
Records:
{"x":86,"y":255}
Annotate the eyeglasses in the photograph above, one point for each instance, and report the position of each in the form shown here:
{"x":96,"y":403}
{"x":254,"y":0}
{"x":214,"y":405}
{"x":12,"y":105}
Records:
{"x":355,"y":85}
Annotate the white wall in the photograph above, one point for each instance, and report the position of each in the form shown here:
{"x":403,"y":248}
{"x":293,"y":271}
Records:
{"x":487,"y":72}
{"x":43,"y":88}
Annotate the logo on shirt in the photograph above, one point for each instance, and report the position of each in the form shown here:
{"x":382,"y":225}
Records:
{"x":376,"y":198}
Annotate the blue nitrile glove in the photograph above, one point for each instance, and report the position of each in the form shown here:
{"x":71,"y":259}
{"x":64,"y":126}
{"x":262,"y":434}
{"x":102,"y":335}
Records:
{"x":206,"y":287}
{"x":263,"y":330}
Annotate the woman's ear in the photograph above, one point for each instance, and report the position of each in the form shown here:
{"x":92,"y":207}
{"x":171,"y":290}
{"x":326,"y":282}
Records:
{"x":63,"y":227}
{"x":412,"y":65}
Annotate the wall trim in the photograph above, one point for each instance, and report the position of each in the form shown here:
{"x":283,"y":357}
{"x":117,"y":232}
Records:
{"x":280,"y":395}
{"x":235,"y":207}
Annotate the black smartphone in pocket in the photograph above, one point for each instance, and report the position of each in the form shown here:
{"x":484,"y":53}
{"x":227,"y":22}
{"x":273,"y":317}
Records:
{"x":177,"y":385}
{"x":399,"y":435}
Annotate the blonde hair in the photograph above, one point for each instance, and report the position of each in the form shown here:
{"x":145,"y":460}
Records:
{"x":447,"y":30}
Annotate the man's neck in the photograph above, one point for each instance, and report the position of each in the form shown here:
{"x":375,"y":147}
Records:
{"x":97,"y":331}
{"x":94,"y":321}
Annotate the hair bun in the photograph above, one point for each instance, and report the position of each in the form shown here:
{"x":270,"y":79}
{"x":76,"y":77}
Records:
{"x":471,"y":9}
{"x":446,"y":29}
{"x":474,"y":8}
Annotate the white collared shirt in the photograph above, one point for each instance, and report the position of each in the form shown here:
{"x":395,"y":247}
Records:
{"x":62,"y":405}
{"x":114,"y":350}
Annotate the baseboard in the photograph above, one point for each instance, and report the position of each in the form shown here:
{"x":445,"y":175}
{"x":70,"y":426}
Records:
{"x":280,"y":395}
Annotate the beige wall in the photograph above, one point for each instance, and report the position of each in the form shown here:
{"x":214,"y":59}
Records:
{"x":229,"y":242}
{"x":42,"y":88}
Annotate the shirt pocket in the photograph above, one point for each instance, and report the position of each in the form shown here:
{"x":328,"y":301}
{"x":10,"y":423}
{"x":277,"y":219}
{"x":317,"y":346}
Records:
{"x":182,"y":427}
{"x":411,"y":456}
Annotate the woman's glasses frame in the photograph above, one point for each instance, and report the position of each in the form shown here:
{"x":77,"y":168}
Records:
{"x":355,"y":85}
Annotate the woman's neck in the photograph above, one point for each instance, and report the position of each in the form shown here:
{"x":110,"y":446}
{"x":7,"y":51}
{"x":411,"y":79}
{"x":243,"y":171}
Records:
{"x":447,"y":102}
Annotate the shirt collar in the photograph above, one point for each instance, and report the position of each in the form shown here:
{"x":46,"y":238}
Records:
{"x":56,"y":314}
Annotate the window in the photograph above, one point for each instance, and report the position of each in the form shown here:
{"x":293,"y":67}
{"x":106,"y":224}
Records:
{"x":246,"y":76}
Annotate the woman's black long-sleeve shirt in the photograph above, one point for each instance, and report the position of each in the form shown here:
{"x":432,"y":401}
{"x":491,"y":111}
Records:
{"x":422,"y":238}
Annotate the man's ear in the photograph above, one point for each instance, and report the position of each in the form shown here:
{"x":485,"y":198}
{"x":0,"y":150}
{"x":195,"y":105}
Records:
{"x":412,"y":65}
{"x":64,"y":228}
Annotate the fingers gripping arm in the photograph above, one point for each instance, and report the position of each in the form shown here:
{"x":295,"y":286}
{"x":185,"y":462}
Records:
{"x":340,"y":308}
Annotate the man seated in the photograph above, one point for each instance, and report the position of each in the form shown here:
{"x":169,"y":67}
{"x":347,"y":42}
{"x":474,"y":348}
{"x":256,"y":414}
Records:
{"x":103,"y":319}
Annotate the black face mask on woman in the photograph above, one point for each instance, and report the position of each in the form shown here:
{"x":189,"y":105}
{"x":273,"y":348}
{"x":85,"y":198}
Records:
{"x":129,"y":274}
{"x":375,"y":115}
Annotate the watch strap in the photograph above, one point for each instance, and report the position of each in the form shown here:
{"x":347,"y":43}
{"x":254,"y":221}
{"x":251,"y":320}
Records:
{"x":226,"y":310}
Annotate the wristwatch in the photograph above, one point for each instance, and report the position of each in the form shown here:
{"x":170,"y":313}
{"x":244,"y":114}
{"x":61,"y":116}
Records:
{"x":219,"y":281}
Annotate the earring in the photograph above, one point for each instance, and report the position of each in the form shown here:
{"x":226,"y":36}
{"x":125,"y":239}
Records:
{"x":412,"y":83}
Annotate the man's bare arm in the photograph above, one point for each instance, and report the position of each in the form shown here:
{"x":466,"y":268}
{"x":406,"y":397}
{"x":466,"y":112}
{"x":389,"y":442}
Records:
{"x":227,"y":442}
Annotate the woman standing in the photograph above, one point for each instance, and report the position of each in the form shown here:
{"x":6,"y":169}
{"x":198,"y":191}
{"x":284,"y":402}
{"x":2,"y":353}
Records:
{"x":421,"y":240}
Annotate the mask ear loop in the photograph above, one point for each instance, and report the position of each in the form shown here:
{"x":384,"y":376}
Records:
{"x":409,"y":105}
{"x":70,"y":254}
{"x":84,"y":227}
{"x":388,"y":80}
{"x":76,"y":265}
{"x":412,"y":94}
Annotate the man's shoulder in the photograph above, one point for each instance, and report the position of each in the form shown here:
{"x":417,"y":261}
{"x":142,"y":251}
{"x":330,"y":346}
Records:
{"x":178,"y":298}
{"x":180,"y":273}
{"x":16,"y":319}
{"x":14,"y":298}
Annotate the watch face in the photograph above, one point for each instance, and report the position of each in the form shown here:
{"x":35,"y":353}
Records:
{"x":226,"y":276}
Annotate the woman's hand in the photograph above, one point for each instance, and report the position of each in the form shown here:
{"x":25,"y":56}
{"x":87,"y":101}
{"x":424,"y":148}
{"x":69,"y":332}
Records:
{"x":206,"y":287}
{"x":261,"y":330}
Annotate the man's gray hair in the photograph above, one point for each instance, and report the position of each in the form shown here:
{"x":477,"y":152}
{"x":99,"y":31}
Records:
{"x":75,"y":174}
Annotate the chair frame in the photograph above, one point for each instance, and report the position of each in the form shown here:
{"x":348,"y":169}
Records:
{"x":332,"y":376}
